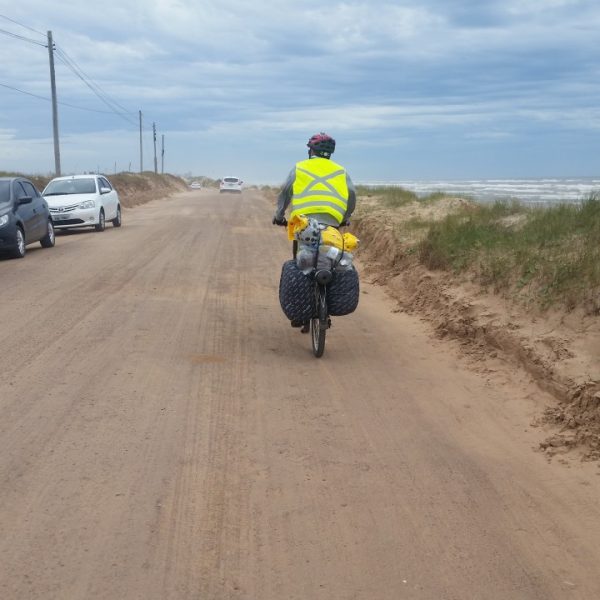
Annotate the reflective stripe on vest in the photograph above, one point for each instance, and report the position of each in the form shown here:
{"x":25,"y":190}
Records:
{"x":320,"y":187}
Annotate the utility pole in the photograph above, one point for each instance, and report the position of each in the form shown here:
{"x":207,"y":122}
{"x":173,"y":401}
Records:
{"x":54,"y":106}
{"x":162,"y":156}
{"x":141,"y":146}
{"x":154,"y":134}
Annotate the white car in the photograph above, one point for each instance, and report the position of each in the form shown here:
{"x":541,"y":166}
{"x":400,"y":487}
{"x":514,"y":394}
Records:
{"x":196,"y":185}
{"x":231,"y":184}
{"x":82,"y":201}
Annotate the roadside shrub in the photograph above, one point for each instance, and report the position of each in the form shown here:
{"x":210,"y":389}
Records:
{"x":552,"y":256}
{"x":391,"y":196}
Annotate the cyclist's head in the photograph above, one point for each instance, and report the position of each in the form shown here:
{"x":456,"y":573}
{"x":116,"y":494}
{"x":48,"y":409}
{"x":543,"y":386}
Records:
{"x":321,"y":145}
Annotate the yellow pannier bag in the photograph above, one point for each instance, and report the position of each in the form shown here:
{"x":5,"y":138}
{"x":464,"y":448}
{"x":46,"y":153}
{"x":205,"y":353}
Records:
{"x":332,"y":237}
{"x":350,"y":242}
{"x":295,"y":225}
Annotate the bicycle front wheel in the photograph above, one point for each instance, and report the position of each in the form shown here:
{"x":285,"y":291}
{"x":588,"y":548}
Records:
{"x":318,"y":324}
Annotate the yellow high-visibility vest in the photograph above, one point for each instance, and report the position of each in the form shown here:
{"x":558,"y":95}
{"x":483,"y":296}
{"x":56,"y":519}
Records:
{"x":320,"y":187}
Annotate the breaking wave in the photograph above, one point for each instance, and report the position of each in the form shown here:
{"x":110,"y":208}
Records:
{"x":531,"y":191}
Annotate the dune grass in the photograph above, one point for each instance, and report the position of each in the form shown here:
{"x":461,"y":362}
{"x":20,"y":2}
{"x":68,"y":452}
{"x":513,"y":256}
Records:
{"x":39,"y":181}
{"x":393,"y":196}
{"x":546,"y":255}
{"x":390,"y":196}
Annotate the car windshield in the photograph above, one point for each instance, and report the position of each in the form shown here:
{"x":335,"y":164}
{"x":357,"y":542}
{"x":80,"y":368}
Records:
{"x":231,"y":180}
{"x":4,"y":191}
{"x":62,"y":187}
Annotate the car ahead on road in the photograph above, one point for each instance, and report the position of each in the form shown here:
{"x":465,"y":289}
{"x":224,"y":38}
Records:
{"x":196,"y":185}
{"x":231,"y":184}
{"x":24,"y":217}
{"x":83,"y":201}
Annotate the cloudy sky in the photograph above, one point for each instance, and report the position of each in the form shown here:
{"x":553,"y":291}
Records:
{"x":427,"y":89}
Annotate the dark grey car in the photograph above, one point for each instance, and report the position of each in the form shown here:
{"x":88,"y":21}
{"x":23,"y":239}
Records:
{"x":24,"y":217}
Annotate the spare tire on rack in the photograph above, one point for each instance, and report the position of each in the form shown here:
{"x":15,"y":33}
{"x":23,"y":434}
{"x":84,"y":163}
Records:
{"x":343,"y":293}
{"x":296,"y":293}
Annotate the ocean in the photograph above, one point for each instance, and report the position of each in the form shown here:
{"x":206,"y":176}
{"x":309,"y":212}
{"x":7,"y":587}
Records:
{"x":529,"y":191}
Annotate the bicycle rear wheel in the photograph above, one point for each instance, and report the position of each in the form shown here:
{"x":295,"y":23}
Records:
{"x":319,"y":323}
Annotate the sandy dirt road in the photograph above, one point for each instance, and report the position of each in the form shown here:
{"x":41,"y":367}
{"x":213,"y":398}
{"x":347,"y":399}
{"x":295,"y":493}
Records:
{"x":165,"y":434}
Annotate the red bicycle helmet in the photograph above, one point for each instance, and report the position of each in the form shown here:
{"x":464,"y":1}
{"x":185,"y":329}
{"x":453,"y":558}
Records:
{"x":322,"y":144}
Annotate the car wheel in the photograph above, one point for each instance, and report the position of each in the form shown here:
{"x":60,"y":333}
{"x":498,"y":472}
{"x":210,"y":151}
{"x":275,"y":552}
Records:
{"x":48,"y":240}
{"x":19,"y":249}
{"x":101,"y":225}
{"x":117,"y":220}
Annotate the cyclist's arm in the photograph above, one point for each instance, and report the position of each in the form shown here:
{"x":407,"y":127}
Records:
{"x":285,"y":195}
{"x":351,"y":198}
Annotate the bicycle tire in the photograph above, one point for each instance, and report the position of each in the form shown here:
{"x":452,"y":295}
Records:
{"x":318,"y":324}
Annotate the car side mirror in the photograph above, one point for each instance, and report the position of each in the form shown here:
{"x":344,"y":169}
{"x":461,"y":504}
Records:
{"x":25,"y":200}
{"x":105,"y":190}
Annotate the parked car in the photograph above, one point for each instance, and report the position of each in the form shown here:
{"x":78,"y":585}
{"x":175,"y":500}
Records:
{"x":83,"y":201}
{"x":230,"y":184}
{"x":24,"y":217}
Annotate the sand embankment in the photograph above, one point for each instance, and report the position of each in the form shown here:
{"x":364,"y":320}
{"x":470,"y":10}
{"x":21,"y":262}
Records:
{"x":557,"y":349}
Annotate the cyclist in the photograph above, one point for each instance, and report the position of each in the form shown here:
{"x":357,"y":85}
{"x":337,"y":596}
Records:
{"x":317,"y":188}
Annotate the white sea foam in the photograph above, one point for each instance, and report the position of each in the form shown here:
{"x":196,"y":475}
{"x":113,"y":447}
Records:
{"x":534,"y":191}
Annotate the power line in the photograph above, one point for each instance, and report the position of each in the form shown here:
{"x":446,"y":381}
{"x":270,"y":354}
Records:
{"x":53,"y":51}
{"x":120,"y":110}
{"x":115,"y":107}
{"x":104,"y":112}
{"x":25,"y":26}
{"x":94,"y":87}
{"x":20,"y":37}
{"x":74,"y":63}
{"x":23,"y":91}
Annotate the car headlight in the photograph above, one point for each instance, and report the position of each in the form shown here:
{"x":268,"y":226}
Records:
{"x":3,"y":220}
{"x":87,"y":204}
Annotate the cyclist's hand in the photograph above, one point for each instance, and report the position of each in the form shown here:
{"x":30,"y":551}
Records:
{"x":280,"y":221}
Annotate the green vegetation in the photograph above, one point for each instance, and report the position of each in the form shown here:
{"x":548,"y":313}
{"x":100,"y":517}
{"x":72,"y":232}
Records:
{"x":208,"y":181}
{"x":544,"y":255}
{"x":141,"y":181}
{"x":390,"y":196}
{"x":116,"y":179}
{"x":270,"y":188}
{"x":396,"y":196}
{"x":39,"y":181}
